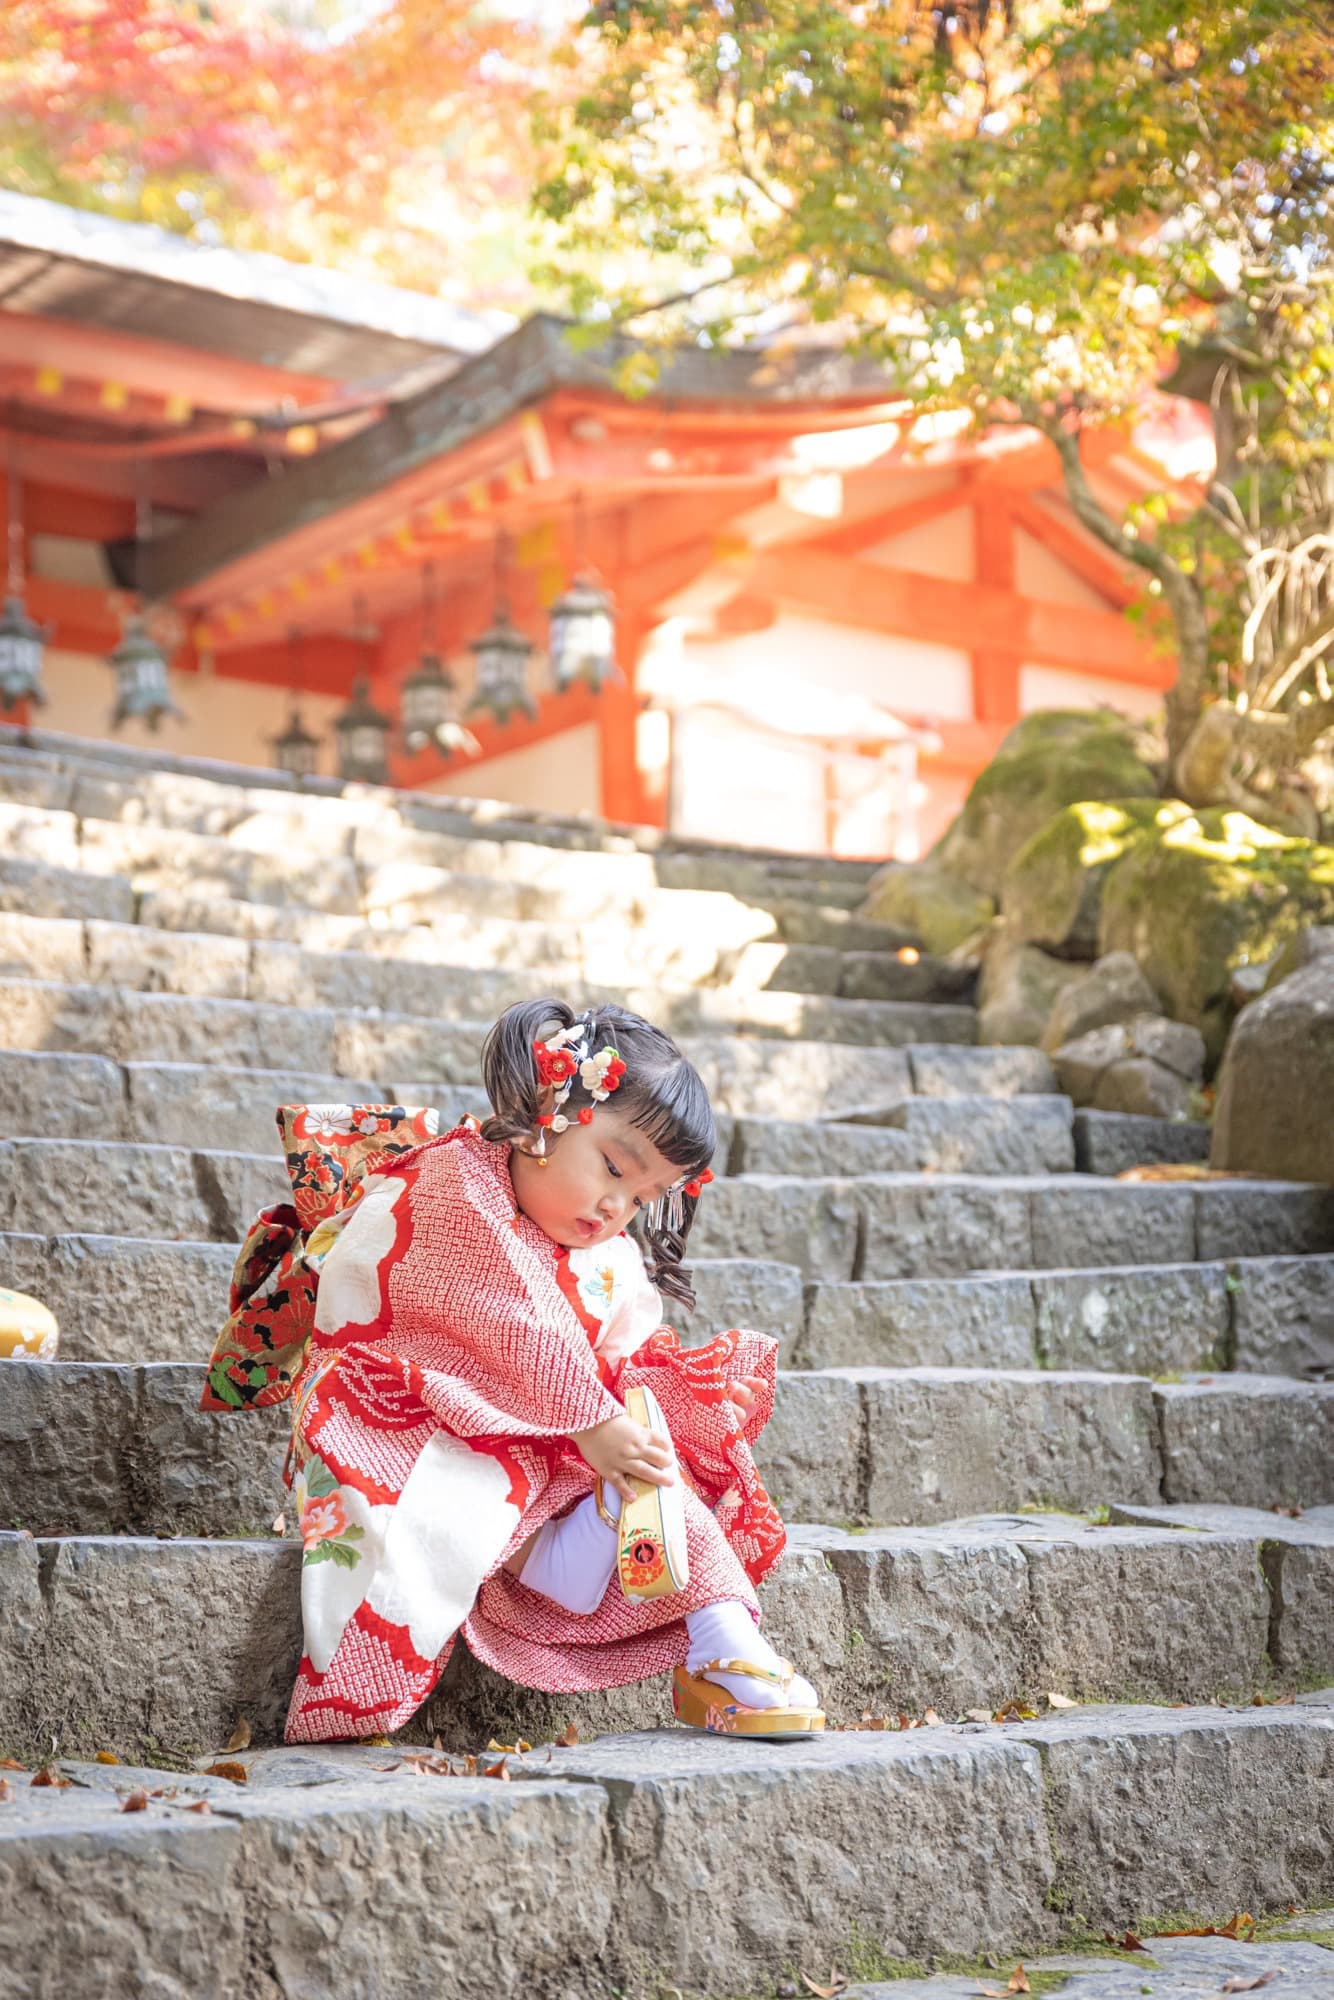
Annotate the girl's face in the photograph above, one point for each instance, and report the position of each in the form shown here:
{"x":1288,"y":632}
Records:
{"x":596,"y":1179}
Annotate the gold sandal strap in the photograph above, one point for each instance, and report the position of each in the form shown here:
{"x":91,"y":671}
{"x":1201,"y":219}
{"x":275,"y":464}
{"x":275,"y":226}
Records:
{"x":783,"y":1674}
{"x":611,"y":1520}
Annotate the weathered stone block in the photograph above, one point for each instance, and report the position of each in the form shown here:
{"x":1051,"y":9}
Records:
{"x":1113,"y":990}
{"x":55,"y":1473}
{"x":810,"y":1452}
{"x":149,"y":961}
{"x":43,"y":890}
{"x":120,"y":1299}
{"x":1276,"y":1085}
{"x":1077,"y":1225}
{"x":40,"y":947}
{"x":958,"y":1072}
{"x":810,"y":1224}
{"x":981,"y":1135}
{"x":228,"y":1110}
{"x":1144,"y":1614}
{"x":1108,"y":1142}
{"x":37,"y":834}
{"x":1154,"y":1321}
{"x":1263,"y":1219}
{"x":920,"y":1323}
{"x":1018,"y":988}
{"x":1299,"y":1569}
{"x":810,"y":1148}
{"x":202,"y":1474}
{"x":743,"y":1291}
{"x":941,"y":1227}
{"x":784,"y":1079}
{"x":1248,"y":1441}
{"x":129,"y":1190}
{"x":402,"y":1045}
{"x":62,"y":1096}
{"x":1283,"y":1314}
{"x":945,"y":1443}
{"x":1139,"y":1798}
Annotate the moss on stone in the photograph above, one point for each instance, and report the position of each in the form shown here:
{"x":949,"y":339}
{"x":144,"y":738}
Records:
{"x":1205,"y":893}
{"x":1044,"y":765}
{"x":1052,"y":894}
{"x":938,"y":908}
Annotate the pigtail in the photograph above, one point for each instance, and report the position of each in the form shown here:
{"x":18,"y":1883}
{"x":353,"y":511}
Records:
{"x":663,"y":1248}
{"x":509,"y":1072}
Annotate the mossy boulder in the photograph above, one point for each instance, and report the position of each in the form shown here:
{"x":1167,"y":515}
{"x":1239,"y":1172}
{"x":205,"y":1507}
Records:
{"x":1049,"y":761}
{"x":1018,"y":988}
{"x":1203,"y":893}
{"x":1052,"y":893}
{"x":1276,"y":1086}
{"x":939,"y":910}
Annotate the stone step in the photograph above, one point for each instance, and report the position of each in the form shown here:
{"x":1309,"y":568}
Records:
{"x":968,"y":1615}
{"x":987,"y":1135}
{"x":103,"y":1447}
{"x":1108,"y":1142}
{"x":1171,"y":1968}
{"x":776,"y":1074}
{"x":896,"y":1226}
{"x":529,"y":1887}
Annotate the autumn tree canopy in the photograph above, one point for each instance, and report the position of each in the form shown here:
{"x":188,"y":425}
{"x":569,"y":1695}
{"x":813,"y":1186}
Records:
{"x":1040,"y":211}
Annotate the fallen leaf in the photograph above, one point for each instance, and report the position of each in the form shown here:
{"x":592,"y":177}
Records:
{"x":6,"y":1791}
{"x":470,"y":1766}
{"x":106,"y":1757}
{"x":1293,"y":1514}
{"x":279,"y":1524}
{"x":1240,"y":1985}
{"x":568,"y":1737}
{"x":929,"y":1716}
{"x":1016,"y":1711}
{"x":1018,"y":1983}
{"x":977,"y":1715}
{"x":11,"y":1764}
{"x":1127,"y":1942}
{"x":509,"y":1749}
{"x":1237,"y":1923}
{"x":436,"y":1743}
{"x":498,"y":1770}
{"x":46,"y":1776}
{"x":837,"y":1981}
{"x":1060,"y":1701}
{"x":135,"y":1801}
{"x":240,"y":1736}
{"x":236,"y":1772}
{"x":200,"y":1806}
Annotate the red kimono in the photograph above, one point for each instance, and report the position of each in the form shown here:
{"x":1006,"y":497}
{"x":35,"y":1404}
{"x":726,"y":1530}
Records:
{"x":456,"y":1348}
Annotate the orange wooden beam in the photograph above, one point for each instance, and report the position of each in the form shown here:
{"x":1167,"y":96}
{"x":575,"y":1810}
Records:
{"x":1093,"y":564}
{"x":854,"y":538}
{"x":970,"y":615}
{"x":85,"y":517}
{"x":995,"y":666}
{"x":154,"y":368}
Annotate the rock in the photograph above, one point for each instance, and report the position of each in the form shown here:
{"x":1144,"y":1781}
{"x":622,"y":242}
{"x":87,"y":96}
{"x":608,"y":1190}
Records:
{"x":1298,"y":953}
{"x":1047,"y":762}
{"x":1174,"y":1044}
{"x":1276,"y":1087}
{"x":1142,"y":1088}
{"x":1216,"y":891}
{"x":1017,"y":989}
{"x":1108,"y":1142}
{"x":1115,"y":990}
{"x":1247,"y":983}
{"x":1052,"y":893}
{"x":939,"y":908}
{"x":1080,"y":1063}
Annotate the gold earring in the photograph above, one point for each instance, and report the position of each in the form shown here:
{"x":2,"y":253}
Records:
{"x":541,"y":1159}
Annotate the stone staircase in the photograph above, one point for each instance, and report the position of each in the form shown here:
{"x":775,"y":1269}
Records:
{"x":1033,"y":1426}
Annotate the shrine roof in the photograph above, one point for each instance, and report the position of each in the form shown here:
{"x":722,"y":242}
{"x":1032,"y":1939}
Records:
{"x":135,"y":278}
{"x":806,"y":387}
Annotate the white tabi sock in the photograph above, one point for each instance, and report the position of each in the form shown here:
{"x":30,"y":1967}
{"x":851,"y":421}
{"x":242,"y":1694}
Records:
{"x":726,"y":1631}
{"x":573,"y":1559}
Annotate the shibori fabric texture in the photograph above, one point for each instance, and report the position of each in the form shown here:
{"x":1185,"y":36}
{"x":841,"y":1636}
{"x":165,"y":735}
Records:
{"x":328,"y":1148}
{"x":455,"y":1349}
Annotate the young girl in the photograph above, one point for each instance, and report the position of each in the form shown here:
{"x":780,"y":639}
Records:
{"x":460,"y":1434}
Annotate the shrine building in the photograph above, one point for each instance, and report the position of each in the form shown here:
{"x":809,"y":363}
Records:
{"x":268,"y":514}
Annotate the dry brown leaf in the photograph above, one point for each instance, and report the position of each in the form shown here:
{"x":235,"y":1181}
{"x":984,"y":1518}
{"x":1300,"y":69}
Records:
{"x":1019,"y":1982}
{"x":240,"y":1736}
{"x":106,"y":1757}
{"x":11,"y":1764}
{"x":1060,"y":1700}
{"x":236,"y":1772}
{"x":510,"y":1749}
{"x":200,"y":1806}
{"x":1126,"y":1942}
{"x":1293,"y":1513}
{"x":46,"y":1776}
{"x":1240,"y":1985}
{"x":498,"y":1770}
{"x":279,"y":1524}
{"x":837,"y":1981}
{"x":1016,"y":1711}
{"x":929,"y":1716}
{"x":1237,"y":1924}
{"x":568,"y":1737}
{"x":6,"y":1791}
{"x":135,"y":1801}
{"x":436,"y":1743}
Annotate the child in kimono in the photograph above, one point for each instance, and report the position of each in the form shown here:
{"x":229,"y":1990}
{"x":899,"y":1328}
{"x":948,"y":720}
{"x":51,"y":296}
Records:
{"x":465,"y":1460}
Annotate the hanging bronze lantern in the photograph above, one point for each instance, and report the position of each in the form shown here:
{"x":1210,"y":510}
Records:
{"x":430,"y":696}
{"x":501,"y":657}
{"x":582,"y":642}
{"x":22,"y":645}
{"x":296,"y":751}
{"x":362,"y":734}
{"x":140,"y":667}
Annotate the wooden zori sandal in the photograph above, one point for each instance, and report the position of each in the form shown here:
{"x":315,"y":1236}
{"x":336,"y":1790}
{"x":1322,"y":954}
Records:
{"x":702,"y":1704}
{"x":651,"y":1555}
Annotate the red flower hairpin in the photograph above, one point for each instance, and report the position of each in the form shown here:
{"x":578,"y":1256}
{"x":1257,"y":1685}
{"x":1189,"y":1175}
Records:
{"x":696,"y":1187}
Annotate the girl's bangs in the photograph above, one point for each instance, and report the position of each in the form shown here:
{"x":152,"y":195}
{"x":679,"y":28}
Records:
{"x":674,"y":1114}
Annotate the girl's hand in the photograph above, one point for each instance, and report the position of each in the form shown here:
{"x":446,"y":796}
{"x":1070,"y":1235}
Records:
{"x":742,"y":1394}
{"x":621,"y":1450}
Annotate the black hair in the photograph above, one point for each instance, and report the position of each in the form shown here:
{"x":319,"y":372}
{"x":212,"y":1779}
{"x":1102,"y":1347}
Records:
{"x":661,"y":1093}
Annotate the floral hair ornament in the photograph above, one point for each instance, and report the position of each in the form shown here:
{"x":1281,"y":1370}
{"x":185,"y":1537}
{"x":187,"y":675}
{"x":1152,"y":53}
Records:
{"x":671,"y":1209}
{"x":562,"y":1058}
